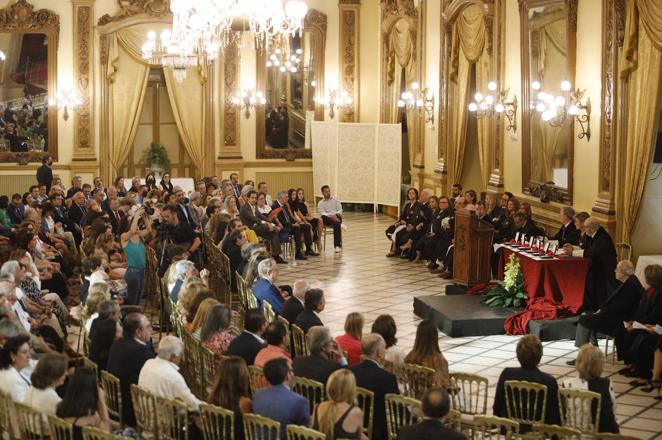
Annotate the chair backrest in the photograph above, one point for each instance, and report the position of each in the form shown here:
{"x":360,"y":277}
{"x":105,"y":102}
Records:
{"x":217,"y":422}
{"x":366,"y":400}
{"x":490,"y":427}
{"x":525,"y":401}
{"x":310,"y":389}
{"x":284,"y":321}
{"x":144,"y":406}
{"x":194,"y":371}
{"x":91,"y":433}
{"x":608,"y":436}
{"x":623,"y":251}
{"x":256,"y":376}
{"x":172,"y":419}
{"x":88,"y":363}
{"x":295,"y":432}
{"x":251,"y":300}
{"x":400,"y":411}
{"x":31,"y":424}
{"x":580,"y":409}
{"x":556,"y":432}
{"x":241,"y":290}
{"x":469,"y":394}
{"x":60,"y":429}
{"x":417,"y":379}
{"x":268,"y":310}
{"x":299,"y":339}
{"x":260,"y":428}
{"x":210,"y":362}
{"x":226,"y":268}
{"x":111,"y":388}
{"x":454,"y":419}
{"x":7,"y":428}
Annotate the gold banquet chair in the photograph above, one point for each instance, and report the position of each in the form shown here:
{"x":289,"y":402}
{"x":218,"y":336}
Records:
{"x":257,"y":379}
{"x":299,"y":339}
{"x":217,"y":422}
{"x":417,"y":379}
{"x":400,"y":411}
{"x":544,"y":432}
{"x":260,"y":428}
{"x":91,"y":433}
{"x":268,"y":311}
{"x":469,"y":397}
{"x":60,"y":429}
{"x":31,"y":423}
{"x":210,"y":367}
{"x":608,"y":436}
{"x":8,"y":428}
{"x":172,"y":419}
{"x":312,"y":390}
{"x":454,"y":420}
{"x":295,"y":432}
{"x":366,"y":400}
{"x":144,"y":406}
{"x":577,"y":408}
{"x":491,"y":427}
{"x":111,"y":387}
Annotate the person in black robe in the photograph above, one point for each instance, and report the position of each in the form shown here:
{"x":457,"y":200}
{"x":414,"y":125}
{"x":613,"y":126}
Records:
{"x":568,"y":234}
{"x":410,"y":217}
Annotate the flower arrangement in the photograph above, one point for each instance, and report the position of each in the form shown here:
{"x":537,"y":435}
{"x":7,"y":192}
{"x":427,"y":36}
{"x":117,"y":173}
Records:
{"x":509,"y":292}
{"x":156,"y":157}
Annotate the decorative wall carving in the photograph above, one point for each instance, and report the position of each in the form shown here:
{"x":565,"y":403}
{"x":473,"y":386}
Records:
{"x":129,"y":8}
{"x":22,"y":17}
{"x":83,"y":40}
{"x":231,"y":87}
{"x":349,"y":55}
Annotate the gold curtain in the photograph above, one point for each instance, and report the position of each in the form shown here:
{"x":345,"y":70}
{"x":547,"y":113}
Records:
{"x":468,"y":42}
{"x":483,"y":77}
{"x":641,"y":66}
{"x":188,"y":106}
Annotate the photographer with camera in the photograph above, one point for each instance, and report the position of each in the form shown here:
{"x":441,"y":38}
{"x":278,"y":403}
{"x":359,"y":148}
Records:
{"x":135,"y":232}
{"x":173,"y":232}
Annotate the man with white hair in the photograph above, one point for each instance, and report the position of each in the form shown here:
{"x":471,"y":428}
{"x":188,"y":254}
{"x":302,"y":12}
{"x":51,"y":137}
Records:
{"x":184,"y":269}
{"x":619,"y":306}
{"x":294,"y":305}
{"x":318,"y":364}
{"x":600,"y":279}
{"x":266,"y":288}
{"x":161,"y":375}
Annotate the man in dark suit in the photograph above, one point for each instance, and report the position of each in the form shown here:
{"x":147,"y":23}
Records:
{"x":371,"y":376}
{"x":600,"y":279}
{"x":232,"y":248}
{"x":115,"y":213}
{"x":45,"y":173}
{"x":298,"y":230}
{"x":435,"y":405}
{"x":249,"y":342}
{"x":182,"y":208}
{"x":568,"y":234}
{"x":529,"y":353}
{"x":318,"y":365}
{"x":127,"y":357}
{"x":259,"y":223}
{"x":16,"y":209}
{"x":236,"y":186}
{"x":619,"y":306}
{"x":313,"y":304}
{"x":500,"y":212}
{"x":77,"y":211}
{"x":525,"y":226}
{"x":294,"y":304}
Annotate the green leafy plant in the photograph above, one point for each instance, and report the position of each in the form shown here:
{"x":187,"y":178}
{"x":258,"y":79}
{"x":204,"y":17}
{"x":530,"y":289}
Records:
{"x":156,"y":156}
{"x":510,"y":292}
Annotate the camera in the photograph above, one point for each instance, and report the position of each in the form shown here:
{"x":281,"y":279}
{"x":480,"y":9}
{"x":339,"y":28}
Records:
{"x":149,"y":210}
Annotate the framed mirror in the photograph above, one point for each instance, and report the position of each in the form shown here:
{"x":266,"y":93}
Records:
{"x":28,"y":81}
{"x":548,"y":33}
{"x":290,"y":72}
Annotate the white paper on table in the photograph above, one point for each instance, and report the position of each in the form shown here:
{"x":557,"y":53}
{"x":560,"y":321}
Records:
{"x":498,"y":246}
{"x":638,"y":325}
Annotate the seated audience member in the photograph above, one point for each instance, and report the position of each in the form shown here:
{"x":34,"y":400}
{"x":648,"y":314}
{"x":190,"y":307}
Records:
{"x":295,"y":303}
{"x":107,"y":309}
{"x":504,"y":229}
{"x":424,"y":247}
{"x":568,"y":234}
{"x":426,"y":352}
{"x":471,"y":198}
{"x":303,"y":210}
{"x":49,"y":374}
{"x":127,"y":357}
{"x":371,"y":376}
{"x":338,"y":417}
{"x":184,"y":269}
{"x":262,"y":226}
{"x":266,"y":288}
{"x":409,"y":224}
{"x":599,"y":248}
{"x":262,"y":188}
{"x":529,"y":353}
{"x":330,"y":210}
{"x":200,"y":316}
{"x":350,"y":341}
{"x":195,"y":294}
{"x":481,"y":211}
{"x":233,"y":250}
{"x":620,"y":306}
{"x":637,"y":346}
{"x":232,"y":390}
{"x":15,"y":356}
{"x":177,"y":233}
{"x":456,"y":192}
{"x":525,"y":208}
{"x":84,"y":403}
{"x":590,"y":365}
{"x":313,"y":305}
{"x":318,"y":364}
{"x":277,"y":401}
{"x":217,"y":332}
{"x":435,"y":406}
{"x":161,"y":376}
{"x":301,"y":232}
{"x":262,"y":206}
{"x":499,"y":212}
{"x":98,"y":293}
{"x":385,"y":326}
{"x":249,"y":343}
{"x":278,"y":341}
{"x":106,"y":332}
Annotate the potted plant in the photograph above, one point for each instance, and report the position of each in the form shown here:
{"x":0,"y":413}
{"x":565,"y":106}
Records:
{"x":156,"y":156}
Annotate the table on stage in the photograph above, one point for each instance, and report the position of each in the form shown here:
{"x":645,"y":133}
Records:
{"x":555,"y":287}
{"x":642,"y":262}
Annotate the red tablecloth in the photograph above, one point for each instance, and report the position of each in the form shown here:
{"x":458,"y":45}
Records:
{"x":555,"y":288}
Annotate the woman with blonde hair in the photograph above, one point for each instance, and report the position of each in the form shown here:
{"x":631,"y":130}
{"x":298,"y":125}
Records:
{"x":351,"y":340}
{"x":338,"y":417}
{"x":201,"y":315}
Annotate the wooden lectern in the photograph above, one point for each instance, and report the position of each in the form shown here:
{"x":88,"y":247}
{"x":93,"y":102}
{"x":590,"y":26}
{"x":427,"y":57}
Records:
{"x":472,"y":251}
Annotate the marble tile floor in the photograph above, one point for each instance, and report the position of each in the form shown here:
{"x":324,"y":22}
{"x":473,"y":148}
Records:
{"x":362,"y":279}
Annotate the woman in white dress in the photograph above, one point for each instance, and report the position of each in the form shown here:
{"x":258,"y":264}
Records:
{"x":15,"y":355}
{"x":49,"y":374}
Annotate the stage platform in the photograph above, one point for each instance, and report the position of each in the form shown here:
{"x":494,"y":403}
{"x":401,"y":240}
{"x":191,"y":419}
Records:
{"x":464,"y":315}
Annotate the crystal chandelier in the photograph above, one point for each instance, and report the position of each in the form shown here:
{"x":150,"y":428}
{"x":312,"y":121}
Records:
{"x":164,"y":52}
{"x":284,"y":61}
